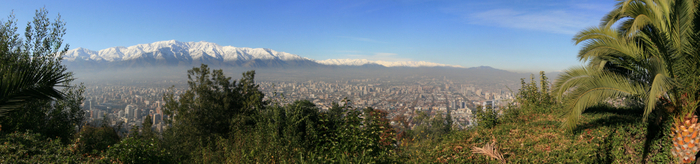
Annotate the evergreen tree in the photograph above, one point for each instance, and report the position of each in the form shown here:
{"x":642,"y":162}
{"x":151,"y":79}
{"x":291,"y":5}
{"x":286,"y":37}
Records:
{"x":214,"y":106}
{"x":30,"y":71}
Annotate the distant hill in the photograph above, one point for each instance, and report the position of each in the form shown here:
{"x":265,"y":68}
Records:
{"x":361,"y":62}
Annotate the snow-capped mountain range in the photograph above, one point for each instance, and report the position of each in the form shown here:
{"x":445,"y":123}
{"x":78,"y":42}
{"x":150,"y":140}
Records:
{"x":175,"y":53}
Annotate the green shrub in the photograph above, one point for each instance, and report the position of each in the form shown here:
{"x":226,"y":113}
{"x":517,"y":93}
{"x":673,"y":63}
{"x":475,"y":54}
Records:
{"x":532,"y":98}
{"x":428,"y":128}
{"x":135,"y":150}
{"x":94,"y":140}
{"x":487,"y":118}
{"x":30,"y":147}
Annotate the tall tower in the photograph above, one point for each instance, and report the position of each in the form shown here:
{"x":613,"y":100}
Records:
{"x":136,"y":113}
{"x":127,"y":111}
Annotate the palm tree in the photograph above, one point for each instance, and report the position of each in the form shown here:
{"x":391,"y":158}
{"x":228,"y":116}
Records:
{"x":652,"y":56}
{"x":23,"y":83}
{"x":31,"y":69}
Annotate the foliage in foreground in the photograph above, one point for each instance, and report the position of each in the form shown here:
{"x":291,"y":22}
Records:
{"x":30,"y":147}
{"x":31,"y":77}
{"x":530,"y":133}
{"x":94,"y":140}
{"x":224,"y":121}
{"x":301,"y":133}
{"x":31,"y":67}
{"x":605,"y":135}
{"x":644,"y":50}
{"x":137,"y":150}
{"x":219,"y":120}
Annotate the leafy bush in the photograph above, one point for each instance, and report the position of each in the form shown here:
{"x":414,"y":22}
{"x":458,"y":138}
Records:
{"x":430,"y":128}
{"x":94,"y":140}
{"x":30,"y":147}
{"x":535,"y":99}
{"x":135,"y":150}
{"x":487,"y":118}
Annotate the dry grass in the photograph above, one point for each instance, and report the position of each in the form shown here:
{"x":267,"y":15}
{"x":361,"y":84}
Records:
{"x":490,"y":150}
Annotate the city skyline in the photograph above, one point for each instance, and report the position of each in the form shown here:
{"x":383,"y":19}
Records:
{"x":131,"y":102}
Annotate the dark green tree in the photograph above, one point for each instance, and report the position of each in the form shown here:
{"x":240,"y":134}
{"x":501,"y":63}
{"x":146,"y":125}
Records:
{"x":31,"y":67}
{"x":293,"y":125}
{"x":95,"y":139}
{"x":30,"y":71}
{"x":441,"y":124}
{"x":146,"y":131}
{"x":434,"y":127}
{"x":213,"y":106}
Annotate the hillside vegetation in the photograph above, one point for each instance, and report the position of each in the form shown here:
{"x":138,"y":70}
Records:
{"x":531,"y":133}
{"x":265,"y":132}
{"x":635,"y":102}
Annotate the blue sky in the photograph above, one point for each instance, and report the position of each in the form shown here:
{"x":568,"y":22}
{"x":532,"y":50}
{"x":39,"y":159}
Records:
{"x":516,"y":35}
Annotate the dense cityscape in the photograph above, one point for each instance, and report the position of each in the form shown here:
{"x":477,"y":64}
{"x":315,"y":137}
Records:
{"x":130,"y":102}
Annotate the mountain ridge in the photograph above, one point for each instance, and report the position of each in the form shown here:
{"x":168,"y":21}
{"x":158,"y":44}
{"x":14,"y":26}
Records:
{"x":196,"y":50}
{"x":176,"y":53}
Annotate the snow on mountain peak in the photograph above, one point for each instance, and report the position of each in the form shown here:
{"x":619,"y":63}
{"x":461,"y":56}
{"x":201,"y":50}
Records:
{"x":193,"y":50}
{"x":175,"y":52}
{"x":78,"y":54}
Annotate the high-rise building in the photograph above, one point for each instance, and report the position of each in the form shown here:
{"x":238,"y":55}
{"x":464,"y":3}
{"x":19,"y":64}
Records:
{"x":136,"y":114}
{"x":488,"y":103}
{"x":131,"y":111}
{"x":100,"y":114}
{"x":127,"y":111}
{"x":157,"y":118}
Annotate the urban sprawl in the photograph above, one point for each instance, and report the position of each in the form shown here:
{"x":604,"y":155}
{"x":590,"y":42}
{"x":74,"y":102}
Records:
{"x":129,"y":103}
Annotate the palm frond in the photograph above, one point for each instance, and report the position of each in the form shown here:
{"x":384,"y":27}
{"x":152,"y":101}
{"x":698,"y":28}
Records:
{"x":568,"y":81}
{"x":490,"y":150}
{"x":606,"y":43}
{"x":653,"y":54}
{"x":20,"y":83}
{"x":594,"y":89}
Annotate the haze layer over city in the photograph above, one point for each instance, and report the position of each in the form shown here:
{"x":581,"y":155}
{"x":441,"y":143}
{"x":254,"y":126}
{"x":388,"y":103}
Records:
{"x":350,"y":81}
{"x":402,"y":91}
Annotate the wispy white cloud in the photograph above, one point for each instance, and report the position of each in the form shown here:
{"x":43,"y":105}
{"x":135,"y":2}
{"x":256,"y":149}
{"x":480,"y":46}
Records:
{"x":554,"y":17}
{"x":361,"y":39}
{"x":554,"y":21}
